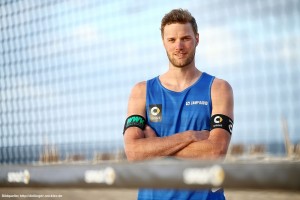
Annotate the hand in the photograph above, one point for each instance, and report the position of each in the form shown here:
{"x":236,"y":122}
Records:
{"x":149,"y":132}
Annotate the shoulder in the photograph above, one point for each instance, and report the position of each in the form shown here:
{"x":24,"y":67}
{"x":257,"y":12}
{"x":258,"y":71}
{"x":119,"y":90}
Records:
{"x":220,"y":85}
{"x":138,"y":92}
{"x":221,"y":88}
{"x":140,"y":85}
{"x":139,"y":88}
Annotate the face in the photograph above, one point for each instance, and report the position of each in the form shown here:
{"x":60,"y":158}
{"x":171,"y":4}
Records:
{"x":180,"y":43}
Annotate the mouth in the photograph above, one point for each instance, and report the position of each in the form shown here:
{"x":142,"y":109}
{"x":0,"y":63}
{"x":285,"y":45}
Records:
{"x":180,"y":55}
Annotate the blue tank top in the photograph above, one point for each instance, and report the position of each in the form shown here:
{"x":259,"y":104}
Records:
{"x":170,"y":112}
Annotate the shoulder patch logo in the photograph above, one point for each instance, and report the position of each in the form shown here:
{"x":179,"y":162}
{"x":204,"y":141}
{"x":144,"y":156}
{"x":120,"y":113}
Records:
{"x":155,"y":112}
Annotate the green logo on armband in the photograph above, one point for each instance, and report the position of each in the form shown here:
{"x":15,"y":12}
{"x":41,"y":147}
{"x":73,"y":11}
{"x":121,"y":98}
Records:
{"x":135,"y":121}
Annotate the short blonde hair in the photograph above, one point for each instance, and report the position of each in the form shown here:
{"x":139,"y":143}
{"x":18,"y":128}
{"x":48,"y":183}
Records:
{"x":178,"y":16}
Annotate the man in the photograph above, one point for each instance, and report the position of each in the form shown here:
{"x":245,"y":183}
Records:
{"x":184,"y":112}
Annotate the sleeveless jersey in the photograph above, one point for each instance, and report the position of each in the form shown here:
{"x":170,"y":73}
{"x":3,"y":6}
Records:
{"x":169,"y":112}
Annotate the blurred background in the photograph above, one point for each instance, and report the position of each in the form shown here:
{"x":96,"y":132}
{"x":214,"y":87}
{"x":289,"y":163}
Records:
{"x":67,"y":68}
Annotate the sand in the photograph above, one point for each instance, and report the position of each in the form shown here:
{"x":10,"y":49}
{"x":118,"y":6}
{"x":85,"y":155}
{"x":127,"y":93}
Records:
{"x":128,"y":194}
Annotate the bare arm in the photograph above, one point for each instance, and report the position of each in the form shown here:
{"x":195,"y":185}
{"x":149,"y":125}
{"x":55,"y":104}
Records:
{"x":217,"y":143}
{"x":144,"y":144}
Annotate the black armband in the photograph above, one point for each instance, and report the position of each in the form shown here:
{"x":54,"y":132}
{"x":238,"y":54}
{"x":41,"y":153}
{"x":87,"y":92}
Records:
{"x":135,"y":121}
{"x":221,"y":121}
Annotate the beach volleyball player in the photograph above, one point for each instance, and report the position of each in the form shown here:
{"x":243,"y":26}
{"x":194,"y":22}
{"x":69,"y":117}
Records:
{"x":185,"y":113}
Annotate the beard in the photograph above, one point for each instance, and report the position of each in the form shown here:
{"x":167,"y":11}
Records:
{"x":180,"y":63}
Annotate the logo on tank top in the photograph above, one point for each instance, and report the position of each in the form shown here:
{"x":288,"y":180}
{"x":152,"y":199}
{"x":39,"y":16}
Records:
{"x":191,"y":103}
{"x":155,"y":112}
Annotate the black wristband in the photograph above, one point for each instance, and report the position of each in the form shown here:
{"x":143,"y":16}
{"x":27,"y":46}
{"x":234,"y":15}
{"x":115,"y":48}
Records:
{"x":135,"y":121}
{"x":221,"y":121}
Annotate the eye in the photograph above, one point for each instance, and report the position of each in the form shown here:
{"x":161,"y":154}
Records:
{"x":171,"y":40}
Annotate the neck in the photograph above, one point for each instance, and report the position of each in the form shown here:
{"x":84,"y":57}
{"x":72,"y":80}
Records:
{"x":177,"y":79}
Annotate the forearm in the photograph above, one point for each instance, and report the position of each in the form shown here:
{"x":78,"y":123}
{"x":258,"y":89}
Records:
{"x":146,"y":148}
{"x":204,"y":149}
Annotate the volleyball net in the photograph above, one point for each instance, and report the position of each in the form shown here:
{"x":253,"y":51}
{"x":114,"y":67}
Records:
{"x":67,"y":68}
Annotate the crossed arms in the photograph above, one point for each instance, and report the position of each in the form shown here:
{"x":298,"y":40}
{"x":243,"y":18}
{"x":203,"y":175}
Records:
{"x":145,"y":144}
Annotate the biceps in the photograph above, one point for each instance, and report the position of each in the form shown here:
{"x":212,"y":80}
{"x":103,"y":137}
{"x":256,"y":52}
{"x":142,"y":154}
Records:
{"x":137,"y":101}
{"x":222,"y":99}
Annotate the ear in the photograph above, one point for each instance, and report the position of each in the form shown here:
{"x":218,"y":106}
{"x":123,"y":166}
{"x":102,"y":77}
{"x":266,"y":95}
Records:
{"x":197,"y":39}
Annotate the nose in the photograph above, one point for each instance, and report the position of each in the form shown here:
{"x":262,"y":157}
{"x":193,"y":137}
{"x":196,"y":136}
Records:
{"x":178,"y":45}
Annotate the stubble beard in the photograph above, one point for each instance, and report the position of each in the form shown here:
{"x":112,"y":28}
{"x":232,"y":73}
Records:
{"x":181,"y":63}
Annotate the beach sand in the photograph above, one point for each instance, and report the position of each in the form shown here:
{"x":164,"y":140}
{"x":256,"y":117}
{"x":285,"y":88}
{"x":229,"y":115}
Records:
{"x":128,"y":194}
